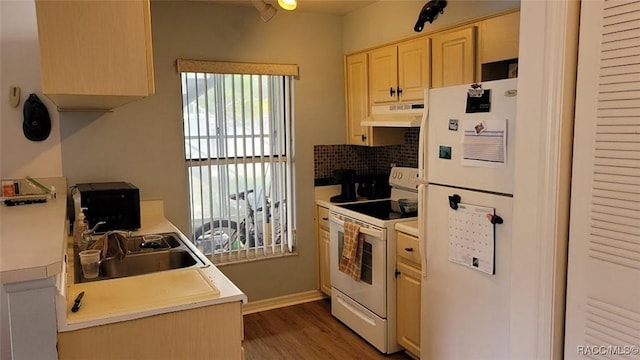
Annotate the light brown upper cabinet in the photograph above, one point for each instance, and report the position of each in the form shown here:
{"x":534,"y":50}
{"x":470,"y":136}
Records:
{"x":95,"y":55}
{"x":356,"y":90}
{"x":357,"y":106}
{"x":499,"y":38}
{"x":399,"y":72}
{"x":498,"y":46}
{"x":453,"y":57}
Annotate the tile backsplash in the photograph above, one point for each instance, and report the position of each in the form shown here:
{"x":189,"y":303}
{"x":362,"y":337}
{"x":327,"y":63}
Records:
{"x":364,"y":159}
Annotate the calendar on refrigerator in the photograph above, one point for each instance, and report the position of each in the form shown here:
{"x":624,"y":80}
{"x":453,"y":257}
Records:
{"x":472,"y":237}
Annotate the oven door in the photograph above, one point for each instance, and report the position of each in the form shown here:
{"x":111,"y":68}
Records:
{"x":370,"y":291}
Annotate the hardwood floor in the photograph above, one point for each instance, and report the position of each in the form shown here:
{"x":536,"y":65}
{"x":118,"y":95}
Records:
{"x":305,"y":331}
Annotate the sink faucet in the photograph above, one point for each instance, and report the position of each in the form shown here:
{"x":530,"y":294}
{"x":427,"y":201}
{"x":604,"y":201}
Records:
{"x":86,"y":235}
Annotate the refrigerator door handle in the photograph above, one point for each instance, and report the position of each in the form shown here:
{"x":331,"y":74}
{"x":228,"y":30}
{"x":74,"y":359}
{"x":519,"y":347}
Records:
{"x":422,"y":227}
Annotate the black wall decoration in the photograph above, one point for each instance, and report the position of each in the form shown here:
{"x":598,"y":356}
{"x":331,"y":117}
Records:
{"x":429,"y":12}
{"x":37,"y":123}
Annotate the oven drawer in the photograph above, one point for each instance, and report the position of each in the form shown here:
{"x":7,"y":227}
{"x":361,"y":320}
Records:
{"x":360,"y":319}
{"x":407,"y":247}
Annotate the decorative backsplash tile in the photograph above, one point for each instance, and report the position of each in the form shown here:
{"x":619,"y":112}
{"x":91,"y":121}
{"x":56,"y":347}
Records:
{"x":364,"y":159}
{"x":332,"y":157}
{"x":401,"y":155}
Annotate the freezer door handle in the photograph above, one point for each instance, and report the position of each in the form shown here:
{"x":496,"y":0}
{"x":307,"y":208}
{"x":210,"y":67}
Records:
{"x":422,"y":140}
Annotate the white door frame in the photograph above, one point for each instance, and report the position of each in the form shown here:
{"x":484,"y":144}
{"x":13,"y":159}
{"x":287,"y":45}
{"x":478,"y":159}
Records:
{"x":546,"y":88}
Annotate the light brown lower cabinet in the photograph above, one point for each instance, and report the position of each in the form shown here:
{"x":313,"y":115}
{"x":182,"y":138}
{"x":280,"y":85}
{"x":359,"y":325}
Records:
{"x":408,"y":298}
{"x":322,"y":239}
{"x":212,"y":332}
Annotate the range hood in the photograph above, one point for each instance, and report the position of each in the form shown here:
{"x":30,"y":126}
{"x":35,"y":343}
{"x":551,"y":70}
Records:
{"x":396,"y":115}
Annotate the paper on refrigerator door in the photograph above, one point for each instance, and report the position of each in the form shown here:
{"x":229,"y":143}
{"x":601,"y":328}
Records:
{"x":471,"y":237}
{"x":484,"y":143}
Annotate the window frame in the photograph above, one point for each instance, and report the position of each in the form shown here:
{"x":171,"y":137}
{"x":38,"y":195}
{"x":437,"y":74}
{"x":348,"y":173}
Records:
{"x":289,"y":73}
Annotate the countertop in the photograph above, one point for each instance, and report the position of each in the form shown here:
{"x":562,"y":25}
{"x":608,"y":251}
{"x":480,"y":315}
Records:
{"x":409,"y":227}
{"x":115,"y":300}
{"x":322,"y":194}
{"x":32,"y":237}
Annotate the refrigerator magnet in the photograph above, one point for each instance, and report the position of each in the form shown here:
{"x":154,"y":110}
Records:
{"x":478,"y":101}
{"x":444,"y":152}
{"x":453,"y":124}
{"x":494,"y":219}
{"x":480,"y":127}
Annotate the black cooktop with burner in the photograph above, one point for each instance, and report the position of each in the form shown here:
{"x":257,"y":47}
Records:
{"x":383,"y":209}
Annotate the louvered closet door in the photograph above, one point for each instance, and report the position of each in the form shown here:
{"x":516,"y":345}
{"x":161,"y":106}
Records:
{"x":603,"y":284}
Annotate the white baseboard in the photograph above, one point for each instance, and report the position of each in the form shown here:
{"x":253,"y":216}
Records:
{"x":282,"y":301}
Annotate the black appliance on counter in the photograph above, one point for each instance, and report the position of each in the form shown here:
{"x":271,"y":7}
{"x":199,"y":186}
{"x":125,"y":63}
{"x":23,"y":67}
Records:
{"x":374,"y":186}
{"x":347,"y":179}
{"x":116,"y":203}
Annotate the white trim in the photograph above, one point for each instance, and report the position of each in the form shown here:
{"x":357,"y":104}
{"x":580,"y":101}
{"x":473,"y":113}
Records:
{"x":281,"y":301}
{"x":546,"y":84}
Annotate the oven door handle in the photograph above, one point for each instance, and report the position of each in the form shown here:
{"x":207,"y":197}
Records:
{"x":375,"y":233}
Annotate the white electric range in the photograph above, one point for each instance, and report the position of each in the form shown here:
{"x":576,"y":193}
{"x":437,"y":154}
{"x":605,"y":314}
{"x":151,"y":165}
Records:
{"x":368,"y":306}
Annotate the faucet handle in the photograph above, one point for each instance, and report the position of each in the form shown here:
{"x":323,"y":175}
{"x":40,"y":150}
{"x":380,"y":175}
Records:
{"x":95,"y":227}
{"x":86,"y":235}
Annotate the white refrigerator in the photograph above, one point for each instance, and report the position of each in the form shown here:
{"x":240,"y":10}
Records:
{"x":465,"y":216}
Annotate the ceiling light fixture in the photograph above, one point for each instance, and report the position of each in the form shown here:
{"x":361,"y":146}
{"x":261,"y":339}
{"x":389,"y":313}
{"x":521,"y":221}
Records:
{"x":288,"y":4}
{"x":267,"y":11}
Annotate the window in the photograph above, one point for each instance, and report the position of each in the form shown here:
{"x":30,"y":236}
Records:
{"x":238,"y":147}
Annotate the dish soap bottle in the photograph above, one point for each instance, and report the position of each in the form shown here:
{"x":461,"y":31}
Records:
{"x":80,"y":226}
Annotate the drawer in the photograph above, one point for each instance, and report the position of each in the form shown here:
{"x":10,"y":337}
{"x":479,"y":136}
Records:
{"x":323,"y":217}
{"x":408,"y":248}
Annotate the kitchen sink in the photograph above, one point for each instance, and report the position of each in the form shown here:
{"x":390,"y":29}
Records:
{"x":167,"y":241}
{"x":144,"y":263}
{"x":167,"y":252}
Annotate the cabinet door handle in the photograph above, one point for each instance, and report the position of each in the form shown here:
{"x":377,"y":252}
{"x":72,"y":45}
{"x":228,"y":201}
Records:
{"x":392,"y":91}
{"x":325,"y":218}
{"x":399,"y":91}
{"x":363,"y":137}
{"x":408,"y":249}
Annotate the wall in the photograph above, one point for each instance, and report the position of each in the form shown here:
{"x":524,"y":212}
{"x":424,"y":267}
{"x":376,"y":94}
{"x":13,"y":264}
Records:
{"x":20,"y":66}
{"x":547,"y":74}
{"x":142,"y":142}
{"x":388,"y":21}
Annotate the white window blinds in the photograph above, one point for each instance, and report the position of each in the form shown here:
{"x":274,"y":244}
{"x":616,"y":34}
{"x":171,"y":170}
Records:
{"x":238,"y":150}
